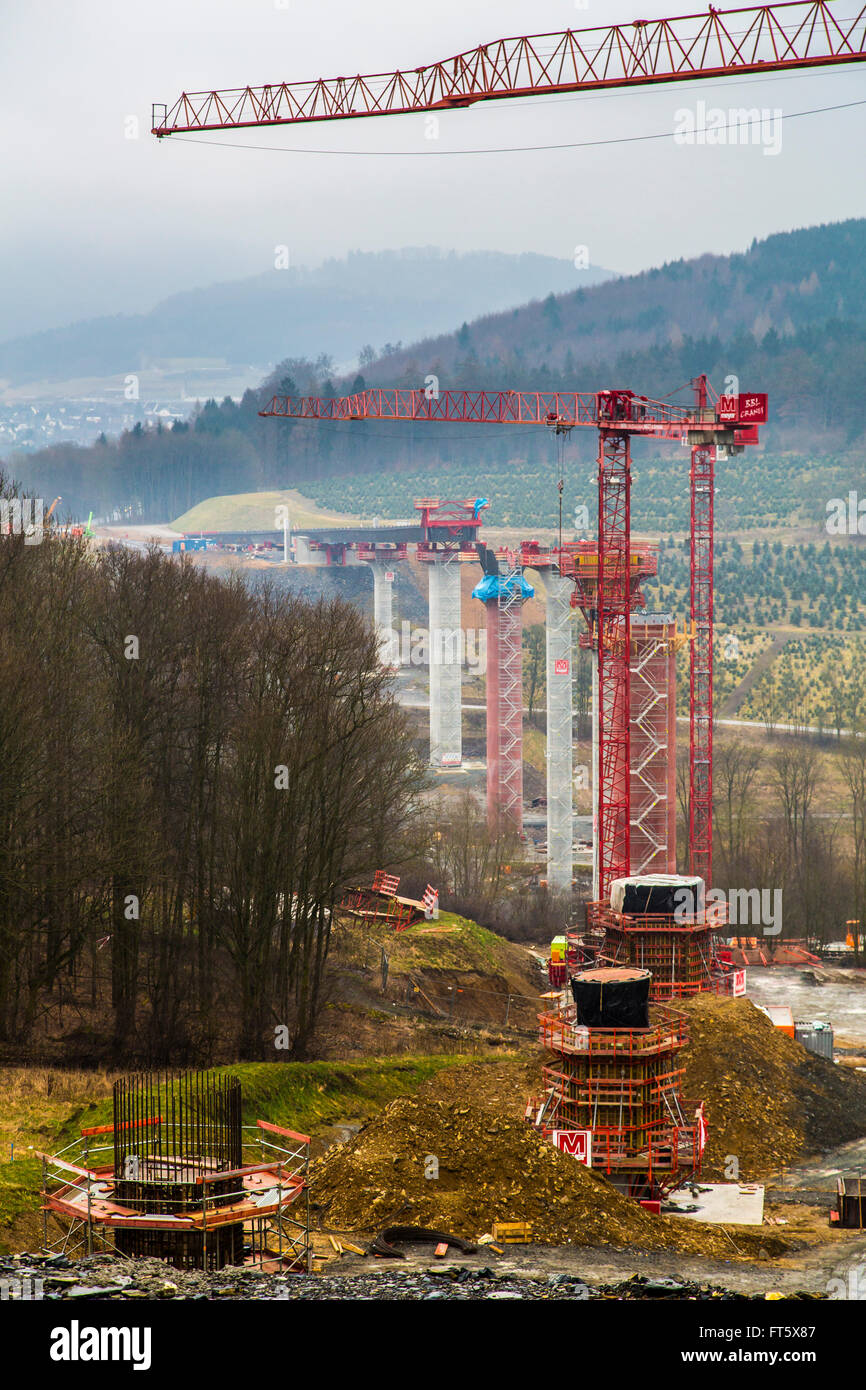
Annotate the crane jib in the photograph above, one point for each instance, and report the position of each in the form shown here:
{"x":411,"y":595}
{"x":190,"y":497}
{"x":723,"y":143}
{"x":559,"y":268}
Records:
{"x":719,"y":43}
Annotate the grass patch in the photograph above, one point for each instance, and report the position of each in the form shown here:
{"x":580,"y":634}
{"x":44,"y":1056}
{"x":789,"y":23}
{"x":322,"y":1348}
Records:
{"x":309,"y":1095}
{"x":256,"y":511}
{"x":451,"y":943}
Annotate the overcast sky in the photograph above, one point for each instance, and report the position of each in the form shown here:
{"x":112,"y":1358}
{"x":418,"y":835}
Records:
{"x":94,"y":222}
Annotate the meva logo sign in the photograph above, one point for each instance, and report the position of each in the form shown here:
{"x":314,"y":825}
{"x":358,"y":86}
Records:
{"x":746,"y":409}
{"x":577,"y":1142}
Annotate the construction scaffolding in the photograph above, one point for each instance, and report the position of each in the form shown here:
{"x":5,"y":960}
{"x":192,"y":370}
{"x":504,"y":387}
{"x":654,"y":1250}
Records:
{"x":702,"y":491}
{"x":613,"y":1095}
{"x":584,"y":564}
{"x":502,"y":595}
{"x":381,"y":903}
{"x":653,"y":743}
{"x":177,"y":1176}
{"x":680,"y":954}
{"x":560,"y":792}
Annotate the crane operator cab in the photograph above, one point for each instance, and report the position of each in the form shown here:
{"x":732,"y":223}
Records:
{"x":614,"y":406}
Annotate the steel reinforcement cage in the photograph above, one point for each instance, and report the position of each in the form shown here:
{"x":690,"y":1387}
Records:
{"x":199,"y":1123}
{"x":255,"y":1213}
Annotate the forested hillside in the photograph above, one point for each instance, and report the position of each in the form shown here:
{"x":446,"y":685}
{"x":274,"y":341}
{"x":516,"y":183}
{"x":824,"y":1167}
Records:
{"x":788,"y":317}
{"x":778,"y":287}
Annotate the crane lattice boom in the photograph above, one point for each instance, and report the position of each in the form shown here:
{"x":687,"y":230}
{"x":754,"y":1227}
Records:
{"x":795,"y":34}
{"x":734,"y":417}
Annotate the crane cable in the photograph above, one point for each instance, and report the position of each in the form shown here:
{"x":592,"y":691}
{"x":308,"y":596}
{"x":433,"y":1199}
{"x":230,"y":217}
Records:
{"x":508,"y":149}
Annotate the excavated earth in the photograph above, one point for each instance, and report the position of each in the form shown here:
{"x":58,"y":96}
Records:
{"x":768,"y":1103}
{"x":492,"y":1167}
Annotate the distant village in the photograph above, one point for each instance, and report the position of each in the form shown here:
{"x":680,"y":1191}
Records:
{"x":29,"y":425}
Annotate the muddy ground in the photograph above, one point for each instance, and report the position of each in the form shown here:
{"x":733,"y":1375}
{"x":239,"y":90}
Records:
{"x":525,"y":1272}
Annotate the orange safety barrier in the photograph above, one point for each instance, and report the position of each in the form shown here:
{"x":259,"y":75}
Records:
{"x":287,"y":1133}
{"x":112,"y":1129}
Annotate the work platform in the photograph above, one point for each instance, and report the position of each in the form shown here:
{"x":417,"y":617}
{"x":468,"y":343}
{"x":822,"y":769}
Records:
{"x":160,"y":1198}
{"x":382,"y":903}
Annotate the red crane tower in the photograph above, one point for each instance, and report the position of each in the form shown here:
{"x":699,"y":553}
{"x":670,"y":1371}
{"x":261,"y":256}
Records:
{"x":793,"y":35}
{"x":617,"y":415}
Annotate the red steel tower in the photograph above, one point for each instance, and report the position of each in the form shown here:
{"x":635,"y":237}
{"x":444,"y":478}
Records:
{"x":617,"y":415}
{"x":614,"y":654}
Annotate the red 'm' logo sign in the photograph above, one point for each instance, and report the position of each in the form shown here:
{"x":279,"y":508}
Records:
{"x":577,"y":1142}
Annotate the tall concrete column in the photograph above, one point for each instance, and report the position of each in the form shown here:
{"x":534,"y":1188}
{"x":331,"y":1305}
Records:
{"x":383,"y":609}
{"x":560,"y":794}
{"x":446,"y":729}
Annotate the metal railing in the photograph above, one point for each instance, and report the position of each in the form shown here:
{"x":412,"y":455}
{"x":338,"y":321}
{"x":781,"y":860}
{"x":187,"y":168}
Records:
{"x":84,"y":1194}
{"x":560,"y":1031}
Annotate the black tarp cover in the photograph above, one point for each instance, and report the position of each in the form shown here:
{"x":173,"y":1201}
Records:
{"x":612,"y":998}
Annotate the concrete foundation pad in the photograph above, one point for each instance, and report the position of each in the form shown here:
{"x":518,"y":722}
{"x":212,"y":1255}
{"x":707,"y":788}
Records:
{"x":728,"y":1203}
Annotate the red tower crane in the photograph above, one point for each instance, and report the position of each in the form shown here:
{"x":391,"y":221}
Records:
{"x":617,"y":415}
{"x":793,"y":35}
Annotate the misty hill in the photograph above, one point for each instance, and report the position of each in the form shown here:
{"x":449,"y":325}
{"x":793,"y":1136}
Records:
{"x":794,"y":315}
{"x":781,"y":285}
{"x":372,"y":299}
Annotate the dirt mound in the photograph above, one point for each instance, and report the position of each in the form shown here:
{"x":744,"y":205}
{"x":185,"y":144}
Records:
{"x":492,"y":1167}
{"x":768,"y":1101}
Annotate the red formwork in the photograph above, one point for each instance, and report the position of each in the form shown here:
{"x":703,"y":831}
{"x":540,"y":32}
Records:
{"x":381,"y":903}
{"x":680,"y":955}
{"x":622,"y":1088}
